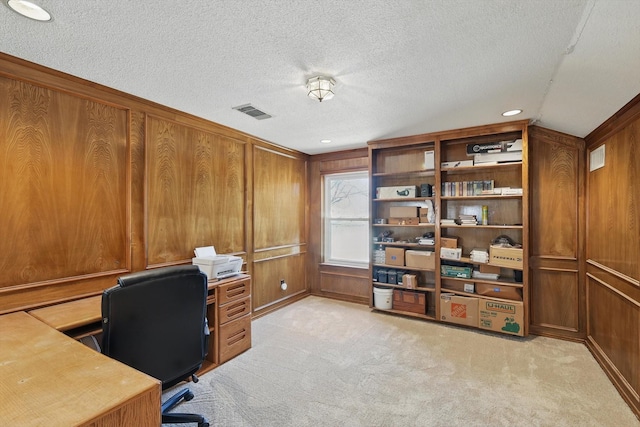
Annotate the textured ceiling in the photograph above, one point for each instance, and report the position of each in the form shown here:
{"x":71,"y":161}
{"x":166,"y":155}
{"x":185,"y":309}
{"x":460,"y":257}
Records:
{"x":402,"y":67}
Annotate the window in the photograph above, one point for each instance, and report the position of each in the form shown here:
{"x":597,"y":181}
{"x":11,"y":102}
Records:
{"x":346,"y":219}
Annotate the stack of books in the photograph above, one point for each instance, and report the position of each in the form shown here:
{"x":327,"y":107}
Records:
{"x":448,"y":221}
{"x":467,"y":220}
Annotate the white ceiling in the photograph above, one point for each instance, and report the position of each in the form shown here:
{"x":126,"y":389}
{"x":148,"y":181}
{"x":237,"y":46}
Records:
{"x":402,"y":67}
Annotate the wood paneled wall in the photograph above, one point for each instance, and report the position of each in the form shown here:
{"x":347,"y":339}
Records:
{"x":351,"y":284}
{"x":556,"y":249}
{"x":195,"y":192}
{"x":280,"y":227}
{"x":613,"y":251}
{"x":95,"y":183}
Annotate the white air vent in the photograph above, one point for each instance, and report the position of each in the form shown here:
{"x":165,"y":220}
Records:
{"x":596,"y":158}
{"x":252,"y":111}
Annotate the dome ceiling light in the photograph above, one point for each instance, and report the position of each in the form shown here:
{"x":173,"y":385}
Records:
{"x":320,"y":87}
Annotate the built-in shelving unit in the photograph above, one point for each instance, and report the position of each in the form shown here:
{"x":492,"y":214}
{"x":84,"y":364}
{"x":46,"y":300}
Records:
{"x":415,"y":166}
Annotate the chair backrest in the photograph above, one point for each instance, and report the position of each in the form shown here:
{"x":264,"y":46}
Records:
{"x":155,"y":321}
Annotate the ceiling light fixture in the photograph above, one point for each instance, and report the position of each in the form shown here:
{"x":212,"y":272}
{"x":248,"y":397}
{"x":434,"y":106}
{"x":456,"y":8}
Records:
{"x":325,"y":141}
{"x":30,"y":10}
{"x":512,"y":113}
{"x":320,"y":87}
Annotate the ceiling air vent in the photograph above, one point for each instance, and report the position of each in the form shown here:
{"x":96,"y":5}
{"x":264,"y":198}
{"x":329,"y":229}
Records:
{"x":252,"y":111}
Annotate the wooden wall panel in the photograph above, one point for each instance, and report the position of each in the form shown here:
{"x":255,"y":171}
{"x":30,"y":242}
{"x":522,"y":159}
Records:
{"x":613,"y":251}
{"x":556,"y":175}
{"x":196,"y":192}
{"x":556,"y":300}
{"x":267,"y":274}
{"x":280,"y":199}
{"x":340,"y":282}
{"x":613,"y":211}
{"x":96,"y":182}
{"x":614,"y":331}
{"x":64,"y":172}
{"x":280,"y":227}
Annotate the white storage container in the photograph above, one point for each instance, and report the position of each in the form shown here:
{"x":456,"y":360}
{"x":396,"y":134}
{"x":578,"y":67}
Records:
{"x":382,"y":298}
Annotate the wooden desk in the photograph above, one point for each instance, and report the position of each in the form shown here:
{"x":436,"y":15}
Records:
{"x":51,"y":379}
{"x":228,"y":314}
{"x":82,"y":317}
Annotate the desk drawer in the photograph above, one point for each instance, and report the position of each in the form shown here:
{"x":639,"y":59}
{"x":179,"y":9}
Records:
{"x":235,"y":337}
{"x":234,"y":310}
{"x":234,"y":291}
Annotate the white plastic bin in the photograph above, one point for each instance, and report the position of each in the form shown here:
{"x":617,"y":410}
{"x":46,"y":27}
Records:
{"x":382,"y":297}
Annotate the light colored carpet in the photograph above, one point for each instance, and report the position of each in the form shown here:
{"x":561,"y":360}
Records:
{"x":321,"y":362}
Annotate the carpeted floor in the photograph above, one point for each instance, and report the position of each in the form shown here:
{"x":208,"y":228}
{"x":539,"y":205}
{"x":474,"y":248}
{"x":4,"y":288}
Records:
{"x":321,"y":362}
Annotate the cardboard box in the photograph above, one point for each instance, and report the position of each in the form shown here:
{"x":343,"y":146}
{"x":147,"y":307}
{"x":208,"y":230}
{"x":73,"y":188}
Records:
{"x":394,"y":256}
{"x":404,"y":221}
{"x":396,"y":192}
{"x":410,"y":281}
{"x":499,"y":291}
{"x":449,"y":242}
{"x":500,"y":316}
{"x":457,"y":309}
{"x":403,"y":211}
{"x":451,"y":254}
{"x":486,"y":268}
{"x":420,"y":259}
{"x":415,"y":302}
{"x":506,"y":257}
{"x":424,"y":216}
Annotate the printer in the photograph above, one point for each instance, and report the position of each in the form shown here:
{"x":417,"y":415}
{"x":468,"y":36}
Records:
{"x":216,"y":266}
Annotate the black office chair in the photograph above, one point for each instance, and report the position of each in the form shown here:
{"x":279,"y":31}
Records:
{"x":155,"y":321}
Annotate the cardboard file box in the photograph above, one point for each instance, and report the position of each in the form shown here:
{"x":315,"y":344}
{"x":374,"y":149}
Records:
{"x":420,"y":259}
{"x":403,"y":211}
{"x":406,"y":191}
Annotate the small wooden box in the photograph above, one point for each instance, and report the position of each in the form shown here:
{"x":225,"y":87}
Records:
{"x":415,"y":302}
{"x":506,"y":257}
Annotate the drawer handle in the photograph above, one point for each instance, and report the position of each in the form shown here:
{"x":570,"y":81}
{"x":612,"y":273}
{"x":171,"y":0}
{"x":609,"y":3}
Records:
{"x":239,"y":308}
{"x":236,"y":291}
{"x":237,"y":337}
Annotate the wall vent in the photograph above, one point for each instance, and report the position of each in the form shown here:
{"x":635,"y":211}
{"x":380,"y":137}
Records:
{"x":596,"y":158}
{"x":252,"y":111}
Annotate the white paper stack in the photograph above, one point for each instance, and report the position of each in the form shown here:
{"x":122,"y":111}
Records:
{"x":479,"y":256}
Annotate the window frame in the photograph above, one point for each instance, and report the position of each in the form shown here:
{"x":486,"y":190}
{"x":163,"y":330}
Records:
{"x":326,"y":257}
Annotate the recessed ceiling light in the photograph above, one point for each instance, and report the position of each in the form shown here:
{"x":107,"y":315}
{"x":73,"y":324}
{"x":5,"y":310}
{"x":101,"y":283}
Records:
{"x":511,"y":113}
{"x":30,"y":10}
{"x":325,"y":141}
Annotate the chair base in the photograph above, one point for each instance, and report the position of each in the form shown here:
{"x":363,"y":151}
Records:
{"x":176,"y":418}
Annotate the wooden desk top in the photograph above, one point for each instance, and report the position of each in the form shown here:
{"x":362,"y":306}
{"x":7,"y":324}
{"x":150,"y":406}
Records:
{"x":70,"y":315}
{"x":51,"y":379}
{"x":86,"y":311}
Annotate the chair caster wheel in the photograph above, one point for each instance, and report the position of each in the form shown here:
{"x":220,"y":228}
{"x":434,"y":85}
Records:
{"x":188,"y":396}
